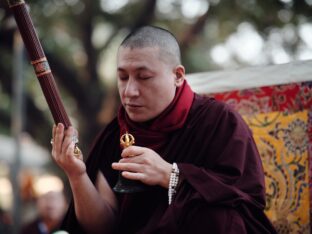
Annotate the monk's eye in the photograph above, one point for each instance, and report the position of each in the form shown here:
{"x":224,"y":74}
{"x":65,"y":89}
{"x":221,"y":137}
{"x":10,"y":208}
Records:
{"x":123,"y":77}
{"x":145,"y":77}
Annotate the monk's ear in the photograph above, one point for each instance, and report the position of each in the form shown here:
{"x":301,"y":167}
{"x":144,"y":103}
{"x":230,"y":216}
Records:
{"x":180,"y":75}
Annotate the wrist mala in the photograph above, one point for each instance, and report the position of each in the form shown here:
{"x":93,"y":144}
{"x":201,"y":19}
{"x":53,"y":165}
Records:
{"x":173,"y":182}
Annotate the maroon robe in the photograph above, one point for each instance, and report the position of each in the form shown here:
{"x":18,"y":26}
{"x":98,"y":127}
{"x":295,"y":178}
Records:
{"x":36,"y":227}
{"x":222,"y":189}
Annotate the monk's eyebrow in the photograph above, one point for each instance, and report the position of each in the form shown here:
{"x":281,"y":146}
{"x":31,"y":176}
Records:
{"x":121,"y":69}
{"x":141,"y":68}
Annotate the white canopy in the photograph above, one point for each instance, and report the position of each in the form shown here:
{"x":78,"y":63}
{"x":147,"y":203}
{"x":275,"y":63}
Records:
{"x":250,"y":77}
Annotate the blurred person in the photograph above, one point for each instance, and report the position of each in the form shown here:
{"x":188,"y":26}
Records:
{"x":51,"y":207}
{"x":196,"y":156}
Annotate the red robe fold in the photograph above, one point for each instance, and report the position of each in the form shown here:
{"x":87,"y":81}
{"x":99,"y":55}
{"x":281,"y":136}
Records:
{"x":222,"y":189}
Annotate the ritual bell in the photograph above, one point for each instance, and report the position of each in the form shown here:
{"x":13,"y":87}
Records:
{"x":124,"y":185}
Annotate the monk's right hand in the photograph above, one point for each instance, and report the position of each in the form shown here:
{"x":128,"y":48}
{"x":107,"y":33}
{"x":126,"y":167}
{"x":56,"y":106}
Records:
{"x":63,"y":151}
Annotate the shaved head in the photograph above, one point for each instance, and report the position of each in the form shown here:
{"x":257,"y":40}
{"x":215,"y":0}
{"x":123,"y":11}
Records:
{"x":155,"y":37}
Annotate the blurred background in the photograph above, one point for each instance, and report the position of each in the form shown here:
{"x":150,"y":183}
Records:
{"x":80,"y":39}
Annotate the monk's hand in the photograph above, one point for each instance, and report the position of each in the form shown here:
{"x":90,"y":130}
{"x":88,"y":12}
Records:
{"x":145,"y":165}
{"x":63,"y":151}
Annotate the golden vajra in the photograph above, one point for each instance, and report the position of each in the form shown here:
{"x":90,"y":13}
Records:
{"x":126,"y":140}
{"x":77,"y":151}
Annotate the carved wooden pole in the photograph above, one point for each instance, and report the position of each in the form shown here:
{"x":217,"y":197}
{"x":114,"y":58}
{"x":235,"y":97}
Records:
{"x":39,"y":61}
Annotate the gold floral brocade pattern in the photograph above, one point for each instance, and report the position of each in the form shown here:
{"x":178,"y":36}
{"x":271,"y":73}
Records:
{"x":282,"y":141}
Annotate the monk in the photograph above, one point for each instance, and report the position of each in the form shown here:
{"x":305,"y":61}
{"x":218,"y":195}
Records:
{"x":195,"y":156}
{"x":51,"y":207}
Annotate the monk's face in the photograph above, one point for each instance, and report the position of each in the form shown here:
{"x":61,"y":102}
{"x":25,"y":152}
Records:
{"x":146,"y":83}
{"x":51,"y":206}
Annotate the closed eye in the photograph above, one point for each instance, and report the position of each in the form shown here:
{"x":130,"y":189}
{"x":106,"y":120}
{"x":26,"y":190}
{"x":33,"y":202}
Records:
{"x":123,"y":78}
{"x":145,"y":77}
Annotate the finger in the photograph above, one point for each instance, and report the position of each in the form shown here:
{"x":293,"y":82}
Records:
{"x":52,"y":138}
{"x":133,"y":176}
{"x":132,"y":151}
{"x":58,"y":139}
{"x":68,"y":139}
{"x":76,"y":134}
{"x":133,"y":159}
{"x":133,"y":167}
{"x":69,"y":152}
{"x":53,"y":131}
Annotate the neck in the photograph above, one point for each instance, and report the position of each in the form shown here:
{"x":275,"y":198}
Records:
{"x":50,"y":223}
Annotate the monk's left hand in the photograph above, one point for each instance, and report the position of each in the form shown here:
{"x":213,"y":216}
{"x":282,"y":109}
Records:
{"x":145,"y":165}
